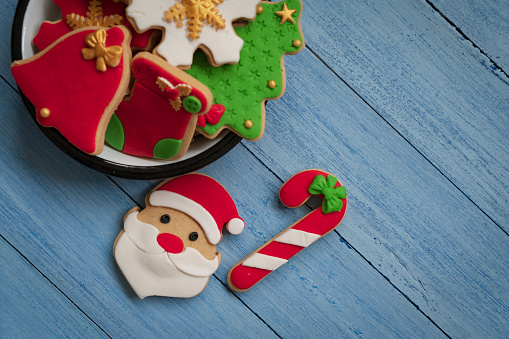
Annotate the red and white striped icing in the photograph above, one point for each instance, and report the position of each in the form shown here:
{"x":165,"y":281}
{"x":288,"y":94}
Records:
{"x":288,"y":243}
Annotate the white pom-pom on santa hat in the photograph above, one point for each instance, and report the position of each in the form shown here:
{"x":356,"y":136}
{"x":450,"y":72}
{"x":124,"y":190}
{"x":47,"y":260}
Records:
{"x":203,"y":199}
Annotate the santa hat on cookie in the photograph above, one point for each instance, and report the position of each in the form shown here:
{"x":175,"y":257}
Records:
{"x":203,"y":199}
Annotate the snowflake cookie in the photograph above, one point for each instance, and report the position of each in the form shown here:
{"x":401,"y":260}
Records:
{"x":192,"y":24}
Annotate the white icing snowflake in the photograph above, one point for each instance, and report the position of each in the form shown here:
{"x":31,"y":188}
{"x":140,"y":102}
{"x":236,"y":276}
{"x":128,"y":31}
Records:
{"x":192,"y":24}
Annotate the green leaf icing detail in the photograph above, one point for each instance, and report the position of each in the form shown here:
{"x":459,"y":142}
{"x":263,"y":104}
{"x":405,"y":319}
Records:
{"x":167,"y":148}
{"x":115,"y":135}
{"x":242,"y":88}
{"x":331,"y":196}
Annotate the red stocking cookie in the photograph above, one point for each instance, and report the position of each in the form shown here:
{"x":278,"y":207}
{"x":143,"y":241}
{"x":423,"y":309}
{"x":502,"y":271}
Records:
{"x":169,"y":248}
{"x":277,"y":251}
{"x":82,"y":13}
{"x":77,"y":82}
{"x":160,"y":117}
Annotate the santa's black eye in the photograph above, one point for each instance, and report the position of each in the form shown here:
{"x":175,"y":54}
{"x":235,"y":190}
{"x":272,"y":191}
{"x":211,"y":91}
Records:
{"x":165,"y":219}
{"x":193,"y":236}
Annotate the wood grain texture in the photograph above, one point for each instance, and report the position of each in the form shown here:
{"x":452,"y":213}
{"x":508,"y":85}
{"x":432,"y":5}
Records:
{"x":484,"y":22}
{"x":404,"y":217}
{"x":64,"y":218}
{"x":327,"y":290}
{"x":32,"y":307}
{"x":426,"y":81}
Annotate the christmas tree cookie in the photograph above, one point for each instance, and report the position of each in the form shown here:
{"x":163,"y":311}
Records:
{"x":243,"y":88}
{"x":159,"y":118}
{"x":77,"y":82}
{"x":82,"y":13}
{"x":189,"y":25}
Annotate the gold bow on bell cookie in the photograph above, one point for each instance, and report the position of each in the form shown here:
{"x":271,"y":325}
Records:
{"x":106,"y":56}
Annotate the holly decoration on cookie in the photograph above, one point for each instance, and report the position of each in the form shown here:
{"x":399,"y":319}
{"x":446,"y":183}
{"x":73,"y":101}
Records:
{"x":192,"y":24}
{"x":77,"y":82}
{"x":159,"y":119}
{"x":243,"y":88}
{"x":85,"y":13}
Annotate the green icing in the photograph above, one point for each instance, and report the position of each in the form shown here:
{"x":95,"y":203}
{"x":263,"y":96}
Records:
{"x":243,"y":87}
{"x":192,"y":104}
{"x":115,"y":135}
{"x":331,"y":195}
{"x":167,"y":148}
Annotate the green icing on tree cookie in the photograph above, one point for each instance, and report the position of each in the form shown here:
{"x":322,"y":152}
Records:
{"x":243,"y":88}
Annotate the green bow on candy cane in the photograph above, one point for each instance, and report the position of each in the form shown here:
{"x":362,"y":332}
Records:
{"x":332,"y":196}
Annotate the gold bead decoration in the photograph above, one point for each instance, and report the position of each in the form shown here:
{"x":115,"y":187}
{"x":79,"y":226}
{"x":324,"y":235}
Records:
{"x":272,"y":84}
{"x":259,"y":10}
{"x":45,"y":112}
{"x":249,"y":124}
{"x":297,"y":43}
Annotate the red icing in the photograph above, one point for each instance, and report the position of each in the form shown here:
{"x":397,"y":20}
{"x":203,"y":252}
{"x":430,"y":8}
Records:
{"x":293,"y":194}
{"x":245,"y":277}
{"x":50,"y":32}
{"x":212,"y":116}
{"x":208,"y":193}
{"x":149,"y":117}
{"x":74,"y":91}
{"x":170,"y":243}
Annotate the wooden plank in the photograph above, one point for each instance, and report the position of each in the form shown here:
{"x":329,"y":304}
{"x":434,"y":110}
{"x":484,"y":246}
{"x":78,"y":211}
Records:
{"x":404,"y":217}
{"x":328,"y":290}
{"x":484,"y":22}
{"x":32,"y":305}
{"x":430,"y":84}
{"x":8,"y":7}
{"x":64,"y":219}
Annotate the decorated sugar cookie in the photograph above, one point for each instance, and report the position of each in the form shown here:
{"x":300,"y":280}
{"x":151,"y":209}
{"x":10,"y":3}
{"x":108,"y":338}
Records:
{"x":243,"y":88}
{"x":77,"y":82}
{"x":277,"y":251}
{"x":159,"y":118}
{"x":82,"y":13}
{"x":169,"y":248}
{"x":192,"y":24}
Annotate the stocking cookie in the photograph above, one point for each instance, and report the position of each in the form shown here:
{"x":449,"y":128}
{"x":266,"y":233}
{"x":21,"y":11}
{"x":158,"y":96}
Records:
{"x":159,"y":119}
{"x":77,"y":82}
{"x":82,"y":13}
{"x":192,"y":24}
{"x":277,"y":251}
{"x":169,"y":248}
{"x":259,"y":76}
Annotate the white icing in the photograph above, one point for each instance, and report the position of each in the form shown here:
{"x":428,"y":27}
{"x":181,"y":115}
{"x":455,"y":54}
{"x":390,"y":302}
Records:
{"x":296,"y":237}
{"x":192,"y":262}
{"x":177,"y":48}
{"x":263,"y":261}
{"x":143,"y":235}
{"x":235,"y":226}
{"x":191,"y":208}
{"x":154,"y":274}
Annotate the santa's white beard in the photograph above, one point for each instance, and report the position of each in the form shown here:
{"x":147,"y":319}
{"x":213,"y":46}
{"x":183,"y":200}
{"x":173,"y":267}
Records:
{"x":150,"y":270}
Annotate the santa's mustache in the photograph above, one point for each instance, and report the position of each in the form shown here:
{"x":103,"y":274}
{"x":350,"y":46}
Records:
{"x":189,"y":261}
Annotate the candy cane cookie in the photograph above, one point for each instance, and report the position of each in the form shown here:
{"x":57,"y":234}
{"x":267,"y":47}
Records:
{"x":277,"y":251}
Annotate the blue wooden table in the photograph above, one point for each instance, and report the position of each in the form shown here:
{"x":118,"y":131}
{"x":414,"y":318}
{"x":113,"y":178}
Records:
{"x":407,"y":102}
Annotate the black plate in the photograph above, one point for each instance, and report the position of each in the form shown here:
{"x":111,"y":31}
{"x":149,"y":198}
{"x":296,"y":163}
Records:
{"x":109,"y":167}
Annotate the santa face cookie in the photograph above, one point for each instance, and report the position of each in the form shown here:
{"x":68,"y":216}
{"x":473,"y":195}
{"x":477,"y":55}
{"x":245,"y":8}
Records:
{"x":192,"y":24}
{"x":77,"y":82}
{"x":169,"y":248}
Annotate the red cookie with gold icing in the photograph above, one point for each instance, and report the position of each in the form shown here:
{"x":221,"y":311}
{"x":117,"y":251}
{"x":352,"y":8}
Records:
{"x":82,"y":13}
{"x":159,"y":118}
{"x":77,"y":82}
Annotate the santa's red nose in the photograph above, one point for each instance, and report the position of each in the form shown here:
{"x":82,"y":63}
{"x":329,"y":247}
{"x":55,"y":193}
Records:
{"x":170,"y":243}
